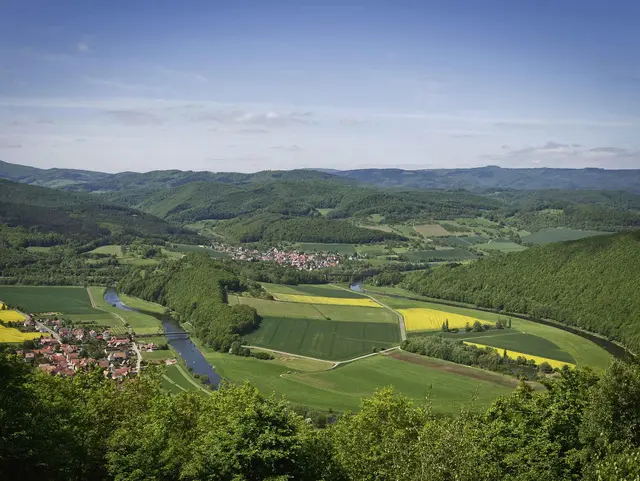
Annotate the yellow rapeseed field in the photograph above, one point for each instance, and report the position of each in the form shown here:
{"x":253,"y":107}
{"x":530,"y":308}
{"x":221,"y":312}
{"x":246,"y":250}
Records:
{"x":425,"y":319}
{"x":339,"y":301}
{"x":9,"y":334}
{"x":514,"y":355}
{"x":11,"y":316}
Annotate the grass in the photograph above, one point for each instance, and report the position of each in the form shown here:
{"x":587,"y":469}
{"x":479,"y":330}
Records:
{"x":515,"y":355}
{"x":431,"y":230}
{"x":141,"y":305}
{"x":39,"y":249}
{"x":372,"y":249}
{"x":345,"y":249}
{"x":115,"y":250}
{"x":178,"y":380}
{"x":343,"y":388}
{"x":324,"y":211}
{"x":583,"y":351}
{"x":140,"y":323}
{"x":159,"y":355}
{"x":559,"y":234}
{"x":67,"y":300}
{"x":506,"y":247}
{"x":324,"y":290}
{"x":329,"y":340}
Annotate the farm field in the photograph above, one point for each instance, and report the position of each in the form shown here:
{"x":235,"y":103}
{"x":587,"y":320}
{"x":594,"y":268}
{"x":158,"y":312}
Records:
{"x":324,"y":211}
{"x":425,"y":319}
{"x":67,"y":300}
{"x":504,"y":246}
{"x":559,"y":234}
{"x":514,"y":355}
{"x":315,"y":311}
{"x":372,"y":250}
{"x":583,"y":351}
{"x":115,"y":250}
{"x":9,"y":315}
{"x":343,"y":301}
{"x":345,"y":249}
{"x":448,"y":386}
{"x":431,"y":230}
{"x":10,"y":334}
{"x":322,"y":339}
{"x":323,"y":290}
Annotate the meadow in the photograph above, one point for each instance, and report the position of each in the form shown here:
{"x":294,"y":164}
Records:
{"x":323,"y":290}
{"x":450,"y":254}
{"x":140,"y":322}
{"x":431,"y":230}
{"x":501,"y":246}
{"x":322,"y":339}
{"x":445,"y":386}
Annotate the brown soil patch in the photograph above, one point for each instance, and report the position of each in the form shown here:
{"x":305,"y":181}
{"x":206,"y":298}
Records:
{"x":453,"y":368}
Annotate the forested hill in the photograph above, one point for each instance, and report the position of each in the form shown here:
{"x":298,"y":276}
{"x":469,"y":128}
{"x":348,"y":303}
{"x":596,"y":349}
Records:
{"x":481,"y":178}
{"x":591,"y":283}
{"x":40,"y":216}
{"x":492,"y":177}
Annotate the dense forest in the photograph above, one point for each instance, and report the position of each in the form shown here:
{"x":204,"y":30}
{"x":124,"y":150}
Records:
{"x":88,"y":427}
{"x":195,"y":288}
{"x":274,"y":228}
{"x":590,"y":283}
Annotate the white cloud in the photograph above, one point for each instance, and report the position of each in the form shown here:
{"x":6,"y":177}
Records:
{"x":134,"y":117}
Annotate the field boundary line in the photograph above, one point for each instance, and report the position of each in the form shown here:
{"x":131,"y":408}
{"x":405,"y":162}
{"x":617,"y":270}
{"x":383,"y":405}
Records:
{"x":403,"y":332}
{"x":94,"y":305}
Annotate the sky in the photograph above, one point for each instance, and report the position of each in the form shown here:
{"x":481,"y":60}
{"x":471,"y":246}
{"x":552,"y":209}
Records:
{"x":244,"y":86}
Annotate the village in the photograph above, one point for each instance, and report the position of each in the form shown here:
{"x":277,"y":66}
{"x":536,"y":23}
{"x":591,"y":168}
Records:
{"x":297,"y":260}
{"x":64,"y":350}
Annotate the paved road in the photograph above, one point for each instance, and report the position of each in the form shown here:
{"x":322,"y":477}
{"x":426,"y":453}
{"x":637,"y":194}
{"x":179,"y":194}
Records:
{"x":139,"y":354}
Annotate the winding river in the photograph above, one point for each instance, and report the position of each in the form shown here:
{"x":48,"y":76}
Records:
{"x":177,"y":337}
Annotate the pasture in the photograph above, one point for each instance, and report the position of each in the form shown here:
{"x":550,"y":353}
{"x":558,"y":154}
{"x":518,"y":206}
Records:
{"x":501,"y":246}
{"x":67,"y":300}
{"x":431,"y":230}
{"x":323,"y":290}
{"x":140,"y":322}
{"x":445,"y":386}
{"x":425,"y":319}
{"x":559,"y":234}
{"x":322,"y":339}
{"x":114,"y":250}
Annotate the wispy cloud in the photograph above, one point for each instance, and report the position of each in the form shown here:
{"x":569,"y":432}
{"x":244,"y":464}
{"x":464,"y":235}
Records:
{"x":182,"y":75}
{"x":264,"y":119}
{"x":134,"y":117}
{"x":118,"y":84}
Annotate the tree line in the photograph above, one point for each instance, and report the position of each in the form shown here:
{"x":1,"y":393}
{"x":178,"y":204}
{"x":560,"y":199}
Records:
{"x":582,"y":427}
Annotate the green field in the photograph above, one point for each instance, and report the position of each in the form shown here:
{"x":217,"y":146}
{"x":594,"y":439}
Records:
{"x":330,"y":340}
{"x":372,"y":250}
{"x":324,"y":211}
{"x":503,"y":246}
{"x":298,"y":310}
{"x":448,"y":387}
{"x":583,"y":351}
{"x":344,"y":249}
{"x":323,"y":290}
{"x":559,"y":234}
{"x":159,"y":355}
{"x":176,"y":380}
{"x":115,"y":250}
{"x":67,"y":300}
{"x":431,"y":230}
{"x":450,"y":254}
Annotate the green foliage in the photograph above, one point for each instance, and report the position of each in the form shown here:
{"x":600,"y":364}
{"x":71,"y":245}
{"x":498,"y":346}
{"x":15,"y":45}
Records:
{"x":588,"y":283}
{"x":195,"y":288}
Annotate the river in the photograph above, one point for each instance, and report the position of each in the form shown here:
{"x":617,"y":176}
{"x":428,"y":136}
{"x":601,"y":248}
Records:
{"x":611,"y":347}
{"x":177,"y":338}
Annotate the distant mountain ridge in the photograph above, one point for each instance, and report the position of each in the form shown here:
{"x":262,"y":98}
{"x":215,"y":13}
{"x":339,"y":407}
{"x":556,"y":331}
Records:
{"x":479,"y":178}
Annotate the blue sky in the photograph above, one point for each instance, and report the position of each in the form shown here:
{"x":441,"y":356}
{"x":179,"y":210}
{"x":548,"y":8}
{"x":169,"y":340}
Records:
{"x":254,"y":85}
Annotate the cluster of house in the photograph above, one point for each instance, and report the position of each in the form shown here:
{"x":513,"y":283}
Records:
{"x":59,"y":358}
{"x":299,"y":260}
